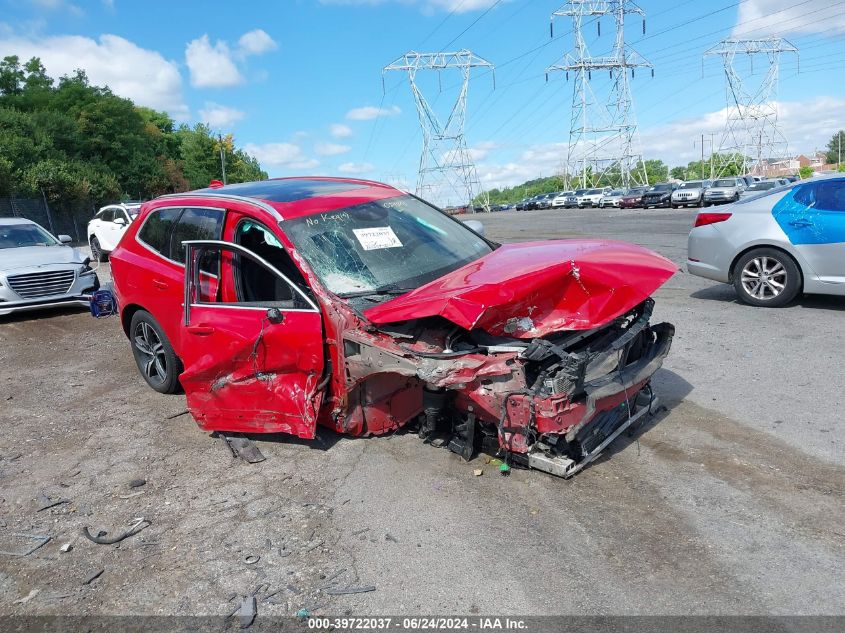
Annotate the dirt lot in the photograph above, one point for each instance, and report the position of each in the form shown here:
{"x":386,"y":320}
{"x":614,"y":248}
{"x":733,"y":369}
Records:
{"x":730,"y":503}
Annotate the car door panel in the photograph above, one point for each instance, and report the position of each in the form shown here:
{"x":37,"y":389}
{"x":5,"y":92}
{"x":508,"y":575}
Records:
{"x":813,"y":218}
{"x":243,"y":370}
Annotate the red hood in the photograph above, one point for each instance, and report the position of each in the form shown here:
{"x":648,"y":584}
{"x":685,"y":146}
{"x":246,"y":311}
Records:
{"x":536,"y":288}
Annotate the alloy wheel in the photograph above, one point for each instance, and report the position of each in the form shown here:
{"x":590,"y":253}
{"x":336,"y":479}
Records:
{"x":149,"y":345}
{"x":764,"y":278}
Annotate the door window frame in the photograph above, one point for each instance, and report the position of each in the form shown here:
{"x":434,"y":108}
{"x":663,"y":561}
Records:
{"x":194,"y":248}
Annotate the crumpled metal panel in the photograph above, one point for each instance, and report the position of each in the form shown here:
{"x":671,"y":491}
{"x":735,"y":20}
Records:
{"x":535,"y":288}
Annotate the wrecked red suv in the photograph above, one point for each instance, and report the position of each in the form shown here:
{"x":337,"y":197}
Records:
{"x":283,"y":304}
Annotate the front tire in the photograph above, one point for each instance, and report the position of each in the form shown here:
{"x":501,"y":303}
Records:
{"x":154,"y":355}
{"x":97,"y":253}
{"x":767,"y":278}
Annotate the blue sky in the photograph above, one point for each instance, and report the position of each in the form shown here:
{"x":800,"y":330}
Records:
{"x":299,"y":82}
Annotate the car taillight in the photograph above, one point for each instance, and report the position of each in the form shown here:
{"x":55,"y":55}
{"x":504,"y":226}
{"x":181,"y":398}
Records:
{"x":704,"y":219}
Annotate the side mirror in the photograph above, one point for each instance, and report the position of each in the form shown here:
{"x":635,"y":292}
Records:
{"x":120,"y":221}
{"x":65,"y":239}
{"x":275,"y":316}
{"x":475,"y":225}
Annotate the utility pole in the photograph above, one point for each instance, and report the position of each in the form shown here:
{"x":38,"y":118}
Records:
{"x":602,"y":134}
{"x":702,"y":154}
{"x":752,"y":112}
{"x":447,"y":173}
{"x":222,"y":158}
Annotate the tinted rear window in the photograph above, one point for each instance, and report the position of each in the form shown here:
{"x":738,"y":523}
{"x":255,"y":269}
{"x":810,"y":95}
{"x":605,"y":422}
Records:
{"x":195,"y":224}
{"x":156,"y":230}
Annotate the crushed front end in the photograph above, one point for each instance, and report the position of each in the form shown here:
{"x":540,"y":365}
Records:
{"x":551,"y":403}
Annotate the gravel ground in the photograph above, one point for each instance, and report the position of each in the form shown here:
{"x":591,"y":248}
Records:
{"x":731,"y":502}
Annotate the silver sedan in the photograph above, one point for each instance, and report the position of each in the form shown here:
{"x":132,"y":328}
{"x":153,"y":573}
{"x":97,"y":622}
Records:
{"x":38,"y":270}
{"x":773,"y":246}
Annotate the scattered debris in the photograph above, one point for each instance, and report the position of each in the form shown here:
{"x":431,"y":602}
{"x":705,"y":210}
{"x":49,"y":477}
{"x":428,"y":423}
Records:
{"x":52,"y":504}
{"x":27,"y":597}
{"x":101,"y":539}
{"x":252,"y":559}
{"x":314,"y":545}
{"x":268,"y":597}
{"x":176,"y":415}
{"x":302,"y":614}
{"x":244,"y":448}
{"x":335,"y":575}
{"x":137,"y":483}
{"x":132,"y":494}
{"x":247,"y":611}
{"x":478,"y":472}
{"x":391,"y":538}
{"x":338,"y":591}
{"x":41,"y":541}
{"x":66,"y":547}
{"x":293,"y":590}
{"x":92,"y":577}
{"x":504,"y":470}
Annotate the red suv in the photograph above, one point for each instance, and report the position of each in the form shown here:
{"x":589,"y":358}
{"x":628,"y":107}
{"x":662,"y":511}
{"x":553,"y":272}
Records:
{"x":283,"y":304}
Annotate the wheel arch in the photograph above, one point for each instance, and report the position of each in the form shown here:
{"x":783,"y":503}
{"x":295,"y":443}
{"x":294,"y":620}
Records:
{"x":773,"y":247}
{"x":126,"y":316}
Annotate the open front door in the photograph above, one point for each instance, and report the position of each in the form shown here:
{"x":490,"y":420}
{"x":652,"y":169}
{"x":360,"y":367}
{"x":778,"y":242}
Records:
{"x":251,"y":343}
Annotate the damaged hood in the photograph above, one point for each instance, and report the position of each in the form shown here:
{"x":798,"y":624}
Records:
{"x":536,"y":288}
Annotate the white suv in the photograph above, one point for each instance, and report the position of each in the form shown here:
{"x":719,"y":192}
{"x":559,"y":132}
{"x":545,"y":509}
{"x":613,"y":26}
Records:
{"x":107,"y":227}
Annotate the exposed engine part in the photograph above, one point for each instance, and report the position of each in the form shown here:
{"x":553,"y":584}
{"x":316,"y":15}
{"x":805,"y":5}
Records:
{"x":463,"y":436}
{"x":434,"y":405}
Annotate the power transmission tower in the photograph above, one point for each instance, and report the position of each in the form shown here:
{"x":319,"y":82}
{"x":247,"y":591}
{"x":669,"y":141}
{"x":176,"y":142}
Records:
{"x":602,"y":134}
{"x":751,"y":135}
{"x":447,"y":173}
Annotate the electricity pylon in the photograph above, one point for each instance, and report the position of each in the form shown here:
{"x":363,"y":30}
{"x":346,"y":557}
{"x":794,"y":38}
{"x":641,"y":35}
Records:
{"x":447,"y":173}
{"x":751,"y":134}
{"x":602,"y":135}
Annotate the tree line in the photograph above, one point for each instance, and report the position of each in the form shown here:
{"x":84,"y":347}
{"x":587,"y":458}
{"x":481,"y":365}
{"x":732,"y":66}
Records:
{"x":79,"y":145}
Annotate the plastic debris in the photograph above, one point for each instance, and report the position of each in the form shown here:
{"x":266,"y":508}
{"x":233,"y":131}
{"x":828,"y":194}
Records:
{"x":53,"y":504}
{"x":391,"y":538}
{"x":92,"y":577}
{"x":101,"y":539}
{"x":247,"y":612}
{"x":40,"y":542}
{"x":252,"y":559}
{"x":137,"y":483}
{"x":504,"y":470}
{"x":478,"y":472}
{"x":340,"y":591}
{"x":244,"y":448}
{"x":66,"y":547}
{"x":302,"y":614}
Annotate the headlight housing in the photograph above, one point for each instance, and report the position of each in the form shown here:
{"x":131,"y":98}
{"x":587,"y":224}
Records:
{"x":86,"y":267}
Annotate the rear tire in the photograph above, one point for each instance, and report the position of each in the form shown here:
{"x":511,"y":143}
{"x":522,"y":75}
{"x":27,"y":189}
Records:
{"x":154,"y":355}
{"x":97,"y":253}
{"x":766,"y":278}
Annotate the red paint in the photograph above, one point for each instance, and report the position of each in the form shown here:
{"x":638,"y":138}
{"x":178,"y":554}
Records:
{"x":282,"y":383}
{"x":532,"y":289}
{"x":705,"y":218}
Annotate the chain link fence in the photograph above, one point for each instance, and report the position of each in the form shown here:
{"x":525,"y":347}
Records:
{"x":67,"y":219}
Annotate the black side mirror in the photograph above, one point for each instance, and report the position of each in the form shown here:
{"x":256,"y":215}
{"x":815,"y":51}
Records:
{"x":275,"y":316}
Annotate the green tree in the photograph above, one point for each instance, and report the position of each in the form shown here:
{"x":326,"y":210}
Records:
{"x":656,"y":171}
{"x":836,"y":148}
{"x":805,"y":172}
{"x":12,"y":76}
{"x":679,"y":173}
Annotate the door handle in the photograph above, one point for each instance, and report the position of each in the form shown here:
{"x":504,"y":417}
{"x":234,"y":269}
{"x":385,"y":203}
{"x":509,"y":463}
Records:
{"x":159,"y":284}
{"x":200,"y":330}
{"x":801,"y":223}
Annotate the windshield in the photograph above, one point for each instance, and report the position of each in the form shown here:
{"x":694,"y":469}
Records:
{"x":725,"y":183}
{"x":616,"y":192}
{"x":580,"y":192}
{"x":396,"y":244}
{"x":593,"y":192}
{"x":21,"y":235}
{"x":692,"y":185}
{"x":661,"y":188}
{"x":637,"y":191}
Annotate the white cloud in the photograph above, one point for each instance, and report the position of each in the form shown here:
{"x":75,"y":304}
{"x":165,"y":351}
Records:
{"x":338,"y":130}
{"x":256,"y":42}
{"x":331,"y":149}
{"x":457,"y":6}
{"x":759,"y":18}
{"x":808,"y":125}
{"x":211,"y":66}
{"x":220,"y":116}
{"x":368,"y":113}
{"x":355,"y":168}
{"x":58,"y":5}
{"x":130,"y":71}
{"x":281,"y":156}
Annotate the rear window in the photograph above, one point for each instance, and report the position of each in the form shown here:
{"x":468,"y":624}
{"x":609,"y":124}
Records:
{"x":195,"y":224}
{"x":156,"y":230}
{"x":725,"y":183}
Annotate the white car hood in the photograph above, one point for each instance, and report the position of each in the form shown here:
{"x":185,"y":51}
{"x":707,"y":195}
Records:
{"x":29,"y":256}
